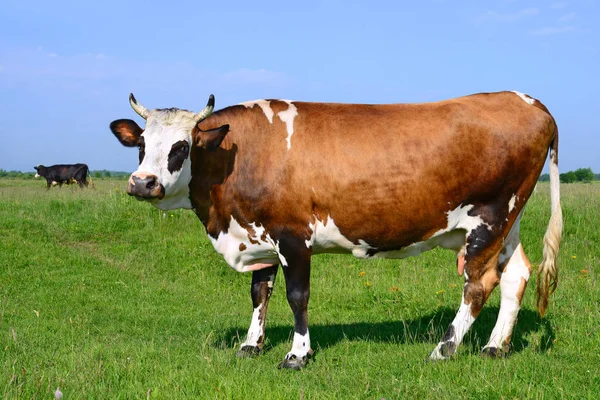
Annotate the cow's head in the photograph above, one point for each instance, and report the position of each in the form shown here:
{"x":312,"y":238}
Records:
{"x":164,"y":173}
{"x":37,"y":172}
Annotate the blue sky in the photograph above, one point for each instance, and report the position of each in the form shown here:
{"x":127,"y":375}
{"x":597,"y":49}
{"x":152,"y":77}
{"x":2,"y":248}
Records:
{"x":67,"y":67}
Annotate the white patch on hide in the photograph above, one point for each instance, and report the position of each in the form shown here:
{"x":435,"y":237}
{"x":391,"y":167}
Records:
{"x":525,"y":97}
{"x":287,"y":117}
{"x":514,"y":268}
{"x":264,"y":250}
{"x":327,"y":238}
{"x":510,"y":283}
{"x":300,"y":346}
{"x":264,"y":105}
{"x":459,"y":218}
{"x":255,"y":331}
{"x":511,"y":203}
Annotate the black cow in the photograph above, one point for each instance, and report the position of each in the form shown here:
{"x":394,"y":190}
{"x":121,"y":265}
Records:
{"x":64,"y":173}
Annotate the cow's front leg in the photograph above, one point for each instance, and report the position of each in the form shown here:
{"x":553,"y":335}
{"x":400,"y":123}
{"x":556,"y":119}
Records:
{"x":297,"y":284}
{"x":262,"y":287}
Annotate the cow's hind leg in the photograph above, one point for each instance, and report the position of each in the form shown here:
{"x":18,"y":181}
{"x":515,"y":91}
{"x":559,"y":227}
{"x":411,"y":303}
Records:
{"x":515,"y":273}
{"x":481,"y":277}
{"x":262,"y":287}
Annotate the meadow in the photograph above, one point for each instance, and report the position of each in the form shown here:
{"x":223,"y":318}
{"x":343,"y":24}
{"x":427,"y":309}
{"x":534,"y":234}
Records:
{"x":107,"y":297}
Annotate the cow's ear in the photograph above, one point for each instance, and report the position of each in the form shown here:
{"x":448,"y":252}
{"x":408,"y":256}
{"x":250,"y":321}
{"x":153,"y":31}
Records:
{"x":212,"y":138}
{"x":127,"y":131}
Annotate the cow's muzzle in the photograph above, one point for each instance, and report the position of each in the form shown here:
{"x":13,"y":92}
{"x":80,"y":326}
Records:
{"x":145,"y":187}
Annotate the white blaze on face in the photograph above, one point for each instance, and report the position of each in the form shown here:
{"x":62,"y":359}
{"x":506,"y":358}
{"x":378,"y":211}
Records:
{"x":164,"y":128}
{"x":286,"y":116}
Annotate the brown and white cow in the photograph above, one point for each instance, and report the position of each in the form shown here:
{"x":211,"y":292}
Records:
{"x":276,"y":181}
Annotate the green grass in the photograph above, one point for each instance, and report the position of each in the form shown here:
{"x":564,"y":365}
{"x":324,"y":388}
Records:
{"x":102,"y":296}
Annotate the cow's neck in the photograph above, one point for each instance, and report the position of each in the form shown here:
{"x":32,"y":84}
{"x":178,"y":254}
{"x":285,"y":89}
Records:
{"x":210,"y":169}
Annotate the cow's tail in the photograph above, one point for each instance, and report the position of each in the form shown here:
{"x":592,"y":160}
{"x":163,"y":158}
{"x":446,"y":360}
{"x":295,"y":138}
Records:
{"x":91,"y":180}
{"x":547,"y":278}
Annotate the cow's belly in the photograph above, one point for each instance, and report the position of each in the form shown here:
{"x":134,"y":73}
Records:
{"x":253,"y":248}
{"x":327,"y":238}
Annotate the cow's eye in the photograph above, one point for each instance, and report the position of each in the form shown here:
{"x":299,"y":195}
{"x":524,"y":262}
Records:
{"x":182,"y":149}
{"x":142,"y":148}
{"x":177,"y":155}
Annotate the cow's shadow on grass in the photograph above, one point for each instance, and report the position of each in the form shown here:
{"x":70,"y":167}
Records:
{"x":530,"y":331}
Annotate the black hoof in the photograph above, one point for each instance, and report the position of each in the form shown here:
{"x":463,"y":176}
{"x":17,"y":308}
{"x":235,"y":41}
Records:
{"x":448,"y":349}
{"x":495,"y":352}
{"x":248,"y":352}
{"x":294,"y":362}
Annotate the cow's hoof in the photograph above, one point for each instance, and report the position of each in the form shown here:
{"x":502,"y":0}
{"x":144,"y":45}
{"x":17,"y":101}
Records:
{"x":292,"y":361}
{"x":443,"y":351}
{"x":248,"y":352}
{"x":448,"y":349}
{"x":496,"y":352}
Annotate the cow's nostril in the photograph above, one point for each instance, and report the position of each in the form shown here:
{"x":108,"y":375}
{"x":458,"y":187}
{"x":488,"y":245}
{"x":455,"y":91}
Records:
{"x":151,"y":183}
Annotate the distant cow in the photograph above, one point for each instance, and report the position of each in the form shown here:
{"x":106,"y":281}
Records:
{"x":64,"y":173}
{"x":277,"y":181}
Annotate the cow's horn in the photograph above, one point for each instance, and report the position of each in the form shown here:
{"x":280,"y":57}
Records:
{"x":138,"y":108}
{"x":207,"y":110}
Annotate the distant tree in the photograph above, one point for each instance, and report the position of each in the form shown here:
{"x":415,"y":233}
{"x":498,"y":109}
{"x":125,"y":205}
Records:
{"x":107,"y":174}
{"x":544,"y":178}
{"x":97,"y":174}
{"x":568,"y":177}
{"x":16,"y":174}
{"x":584,"y":175}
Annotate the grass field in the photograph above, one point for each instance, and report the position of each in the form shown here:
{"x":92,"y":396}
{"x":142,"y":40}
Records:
{"x":106,"y":297}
